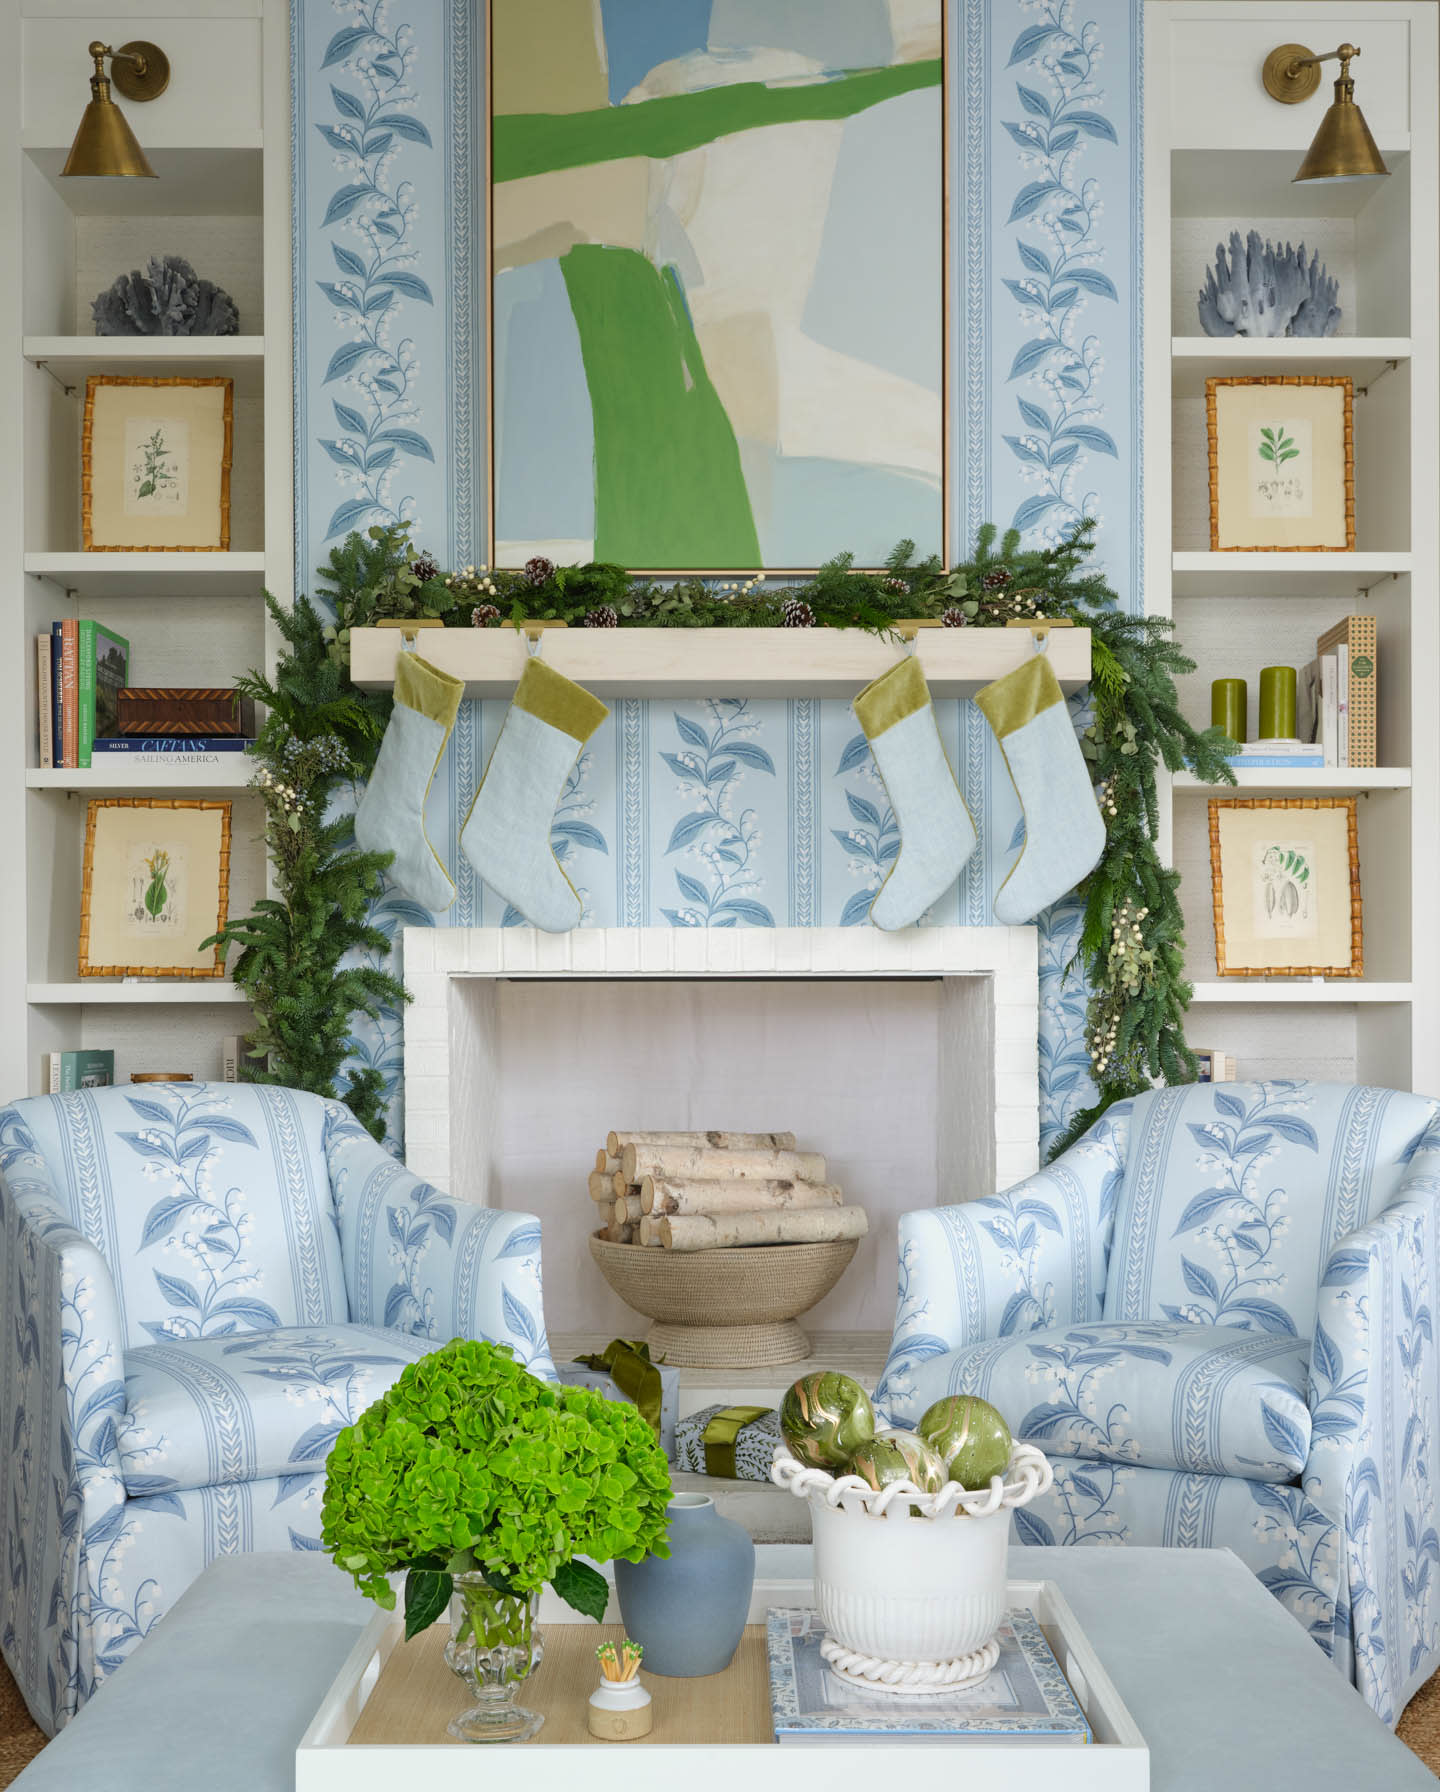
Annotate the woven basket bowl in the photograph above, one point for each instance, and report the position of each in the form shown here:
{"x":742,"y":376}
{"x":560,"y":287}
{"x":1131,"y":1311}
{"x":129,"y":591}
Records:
{"x":724,"y":1309}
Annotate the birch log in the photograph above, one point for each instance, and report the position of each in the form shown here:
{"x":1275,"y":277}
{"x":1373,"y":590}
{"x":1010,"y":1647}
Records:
{"x":626,"y":1210}
{"x":620,"y":1234}
{"x":724,"y":1141}
{"x":706,"y":1163}
{"x":606,"y":1164}
{"x":810,"y":1225}
{"x":602,"y":1187}
{"x":660,"y":1197}
{"x":648,"y":1232}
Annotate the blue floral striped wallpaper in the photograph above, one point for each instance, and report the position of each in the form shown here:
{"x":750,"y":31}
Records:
{"x":735,"y":813}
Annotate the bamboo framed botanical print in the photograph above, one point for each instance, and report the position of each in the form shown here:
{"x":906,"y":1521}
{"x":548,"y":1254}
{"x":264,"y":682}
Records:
{"x":1282,"y":463}
{"x":155,"y":464}
{"x":156,"y":886}
{"x":1285,"y":873}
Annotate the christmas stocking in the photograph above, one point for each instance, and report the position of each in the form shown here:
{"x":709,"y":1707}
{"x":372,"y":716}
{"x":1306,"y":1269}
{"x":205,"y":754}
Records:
{"x":506,"y":835}
{"x":391,"y":816}
{"x":936,"y":832}
{"x":1064,"y":831}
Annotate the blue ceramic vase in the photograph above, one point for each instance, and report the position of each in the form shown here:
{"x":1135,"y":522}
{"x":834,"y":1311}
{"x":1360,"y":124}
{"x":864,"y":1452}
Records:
{"x":688,"y":1610}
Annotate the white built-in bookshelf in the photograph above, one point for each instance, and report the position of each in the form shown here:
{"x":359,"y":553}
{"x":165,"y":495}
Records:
{"x":1220,"y":156}
{"x":219,"y":142}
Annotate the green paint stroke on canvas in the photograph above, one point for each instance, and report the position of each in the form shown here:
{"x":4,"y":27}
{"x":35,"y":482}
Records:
{"x":669,"y":490}
{"x":525,"y":143}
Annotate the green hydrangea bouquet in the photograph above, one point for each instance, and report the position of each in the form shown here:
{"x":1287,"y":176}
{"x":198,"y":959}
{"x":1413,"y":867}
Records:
{"x":472,"y":1467}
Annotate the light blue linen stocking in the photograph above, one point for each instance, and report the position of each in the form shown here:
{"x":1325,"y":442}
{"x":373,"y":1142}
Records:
{"x":936,"y":832}
{"x":391,"y":816}
{"x":1064,"y":830}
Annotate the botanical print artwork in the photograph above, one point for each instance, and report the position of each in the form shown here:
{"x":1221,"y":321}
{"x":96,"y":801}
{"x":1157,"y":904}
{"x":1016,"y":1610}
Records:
{"x":717,"y":234}
{"x":157,"y":464}
{"x":1285,"y":895}
{"x":155,"y":889}
{"x":1281,"y":483}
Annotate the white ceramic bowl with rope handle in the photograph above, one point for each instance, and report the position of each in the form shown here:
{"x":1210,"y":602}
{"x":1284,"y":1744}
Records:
{"x":910,"y":1578}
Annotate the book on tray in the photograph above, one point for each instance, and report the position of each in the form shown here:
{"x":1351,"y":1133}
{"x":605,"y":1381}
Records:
{"x":1024,"y":1698}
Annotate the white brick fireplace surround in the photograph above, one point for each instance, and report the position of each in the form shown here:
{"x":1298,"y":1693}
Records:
{"x":909,"y":1059}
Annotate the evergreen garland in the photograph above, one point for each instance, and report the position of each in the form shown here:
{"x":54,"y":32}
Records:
{"x":322,"y":733}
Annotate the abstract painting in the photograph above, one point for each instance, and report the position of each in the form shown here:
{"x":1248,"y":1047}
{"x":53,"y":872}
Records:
{"x":717,"y":262}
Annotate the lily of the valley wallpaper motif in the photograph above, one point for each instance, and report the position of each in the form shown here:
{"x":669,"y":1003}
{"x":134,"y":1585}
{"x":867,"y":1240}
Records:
{"x":729,"y":814}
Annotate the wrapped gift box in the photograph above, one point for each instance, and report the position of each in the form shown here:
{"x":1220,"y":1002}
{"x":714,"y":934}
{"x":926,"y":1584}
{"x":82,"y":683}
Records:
{"x":737,"y":1442}
{"x":576,"y":1375}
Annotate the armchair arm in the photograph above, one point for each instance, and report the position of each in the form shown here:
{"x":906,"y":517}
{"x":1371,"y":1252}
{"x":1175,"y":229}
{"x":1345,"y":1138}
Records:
{"x":62,"y":1389}
{"x":1374,"y":1466}
{"x":417,"y":1261}
{"x":1021,"y":1261}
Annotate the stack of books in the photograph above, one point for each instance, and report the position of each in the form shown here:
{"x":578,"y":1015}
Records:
{"x":1338,"y":695}
{"x":61,"y":1072}
{"x":1277,"y":755}
{"x":1024,"y":1698}
{"x":1215,"y":1067}
{"x":87,"y":709}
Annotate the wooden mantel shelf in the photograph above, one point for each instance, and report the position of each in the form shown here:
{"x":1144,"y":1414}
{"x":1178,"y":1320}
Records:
{"x":718,"y":662}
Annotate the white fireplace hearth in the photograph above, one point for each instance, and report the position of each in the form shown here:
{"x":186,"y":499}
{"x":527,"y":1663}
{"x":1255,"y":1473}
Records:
{"x":909,"y":1059}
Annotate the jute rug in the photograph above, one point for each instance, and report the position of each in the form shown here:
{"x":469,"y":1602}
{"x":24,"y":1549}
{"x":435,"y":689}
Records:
{"x":21,"y":1741}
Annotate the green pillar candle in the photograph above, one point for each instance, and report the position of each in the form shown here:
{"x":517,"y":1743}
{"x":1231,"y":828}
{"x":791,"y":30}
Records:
{"x":1277,"y":703}
{"x":1228,"y":701}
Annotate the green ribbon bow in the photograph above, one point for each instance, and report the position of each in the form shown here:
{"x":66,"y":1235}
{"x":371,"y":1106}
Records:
{"x":720,"y":1436}
{"x":628,"y":1365}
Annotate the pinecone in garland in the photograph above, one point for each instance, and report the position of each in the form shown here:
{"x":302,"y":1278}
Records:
{"x":997,"y":580}
{"x":602,"y":616}
{"x":796,"y":613}
{"x":954,"y":617}
{"x":897,"y":586}
{"x":484,"y":616}
{"x":538,"y":569}
{"x":425,"y":568}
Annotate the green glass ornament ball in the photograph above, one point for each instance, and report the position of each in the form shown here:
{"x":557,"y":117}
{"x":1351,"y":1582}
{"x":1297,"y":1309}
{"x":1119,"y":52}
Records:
{"x":898,"y":1456}
{"x":970,"y":1437}
{"x":825,"y":1417}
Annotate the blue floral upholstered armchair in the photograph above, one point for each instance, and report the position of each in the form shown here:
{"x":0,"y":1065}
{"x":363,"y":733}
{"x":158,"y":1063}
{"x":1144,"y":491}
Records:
{"x":1218,"y":1309}
{"x":203,"y":1284}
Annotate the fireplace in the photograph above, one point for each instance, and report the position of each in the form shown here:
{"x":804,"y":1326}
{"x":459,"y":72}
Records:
{"x":908,"y":1059}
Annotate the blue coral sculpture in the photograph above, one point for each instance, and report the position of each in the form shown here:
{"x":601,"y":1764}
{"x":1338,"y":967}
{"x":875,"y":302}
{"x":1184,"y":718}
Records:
{"x":1267,"y":291}
{"x":170,"y":299}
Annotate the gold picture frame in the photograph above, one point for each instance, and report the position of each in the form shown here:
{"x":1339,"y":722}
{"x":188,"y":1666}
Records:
{"x":1256,"y":426}
{"x":155,"y":464}
{"x":1286,"y":891}
{"x":161,"y":867}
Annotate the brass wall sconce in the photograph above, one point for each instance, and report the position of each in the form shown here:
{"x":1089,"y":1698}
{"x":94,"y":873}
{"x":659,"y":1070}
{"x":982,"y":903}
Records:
{"x":1343,"y":148}
{"x":105,"y":144}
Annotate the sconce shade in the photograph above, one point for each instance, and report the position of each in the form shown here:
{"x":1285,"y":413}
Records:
{"x":1343,"y":148}
{"x":105,"y":144}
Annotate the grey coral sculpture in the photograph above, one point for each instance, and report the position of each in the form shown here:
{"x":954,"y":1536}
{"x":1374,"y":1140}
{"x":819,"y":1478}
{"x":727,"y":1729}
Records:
{"x":169,"y":299}
{"x":1268,"y":291}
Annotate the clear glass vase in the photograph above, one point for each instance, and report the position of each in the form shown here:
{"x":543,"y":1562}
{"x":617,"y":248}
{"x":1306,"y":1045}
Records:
{"x":495,"y":1645}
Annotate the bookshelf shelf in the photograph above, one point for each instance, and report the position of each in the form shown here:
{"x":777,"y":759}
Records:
{"x":1305,"y":576}
{"x":1307,"y":780}
{"x":216,"y":993}
{"x":1295,"y":991}
{"x":1221,"y":157}
{"x":90,"y":577}
{"x":230,"y":773}
{"x":72,"y":358}
{"x":1194,"y":359}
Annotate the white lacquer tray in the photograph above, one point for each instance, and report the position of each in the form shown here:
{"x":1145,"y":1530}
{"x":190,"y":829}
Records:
{"x":326,"y":1760}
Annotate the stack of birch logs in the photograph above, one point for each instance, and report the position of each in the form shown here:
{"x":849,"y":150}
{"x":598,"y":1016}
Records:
{"x":705,"y":1191}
